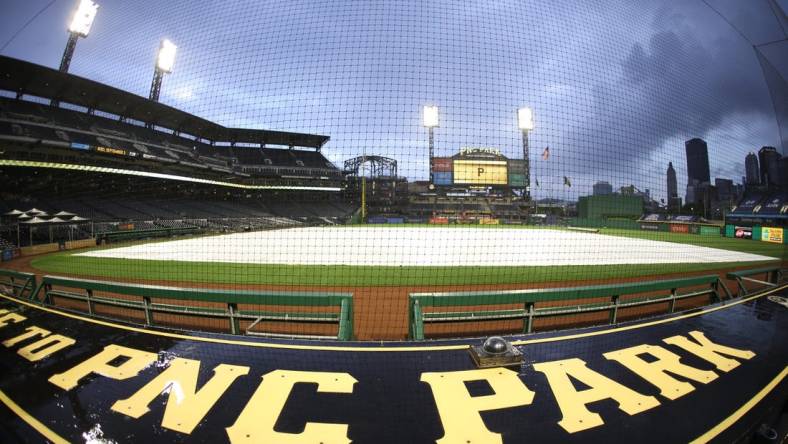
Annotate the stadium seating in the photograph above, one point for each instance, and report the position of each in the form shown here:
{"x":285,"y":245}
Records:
{"x":33,"y":121}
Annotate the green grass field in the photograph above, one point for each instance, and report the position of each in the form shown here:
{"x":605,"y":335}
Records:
{"x":312,"y":275}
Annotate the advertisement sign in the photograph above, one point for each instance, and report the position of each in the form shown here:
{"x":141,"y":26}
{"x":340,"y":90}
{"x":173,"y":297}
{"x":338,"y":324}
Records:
{"x":649,"y":227}
{"x":489,"y":221}
{"x":442,"y":164}
{"x":709,"y":231}
{"x":482,"y":172}
{"x":679,"y":228}
{"x":442,"y":178}
{"x":126,"y":227}
{"x":516,"y":180}
{"x":80,"y":146}
{"x":770,"y":234}
{"x":743,"y":232}
{"x":108,"y":150}
{"x":439,"y":220}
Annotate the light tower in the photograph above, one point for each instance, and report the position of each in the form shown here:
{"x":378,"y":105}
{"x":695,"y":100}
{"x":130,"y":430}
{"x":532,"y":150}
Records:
{"x":525,"y":121}
{"x":164,"y":62}
{"x":79,"y":27}
{"x":431,"y":122}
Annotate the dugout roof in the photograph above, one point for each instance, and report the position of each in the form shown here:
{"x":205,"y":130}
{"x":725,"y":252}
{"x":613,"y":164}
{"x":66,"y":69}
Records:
{"x":29,"y":78}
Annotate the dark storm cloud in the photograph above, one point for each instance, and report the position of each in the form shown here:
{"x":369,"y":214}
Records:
{"x":616,"y":86}
{"x":683,"y":82}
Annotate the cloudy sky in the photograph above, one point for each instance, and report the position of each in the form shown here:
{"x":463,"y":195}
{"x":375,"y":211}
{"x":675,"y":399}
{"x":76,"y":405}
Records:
{"x":617,"y":86}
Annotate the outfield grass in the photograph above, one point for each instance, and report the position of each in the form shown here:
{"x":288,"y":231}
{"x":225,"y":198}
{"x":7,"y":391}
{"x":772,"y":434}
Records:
{"x":777,"y":251}
{"x":228,"y":273}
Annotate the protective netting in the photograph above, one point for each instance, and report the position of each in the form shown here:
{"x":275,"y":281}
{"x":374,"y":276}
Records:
{"x":320,"y":168}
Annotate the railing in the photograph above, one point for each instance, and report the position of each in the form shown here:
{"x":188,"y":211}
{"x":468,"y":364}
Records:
{"x":22,"y":285}
{"x":472,"y":302}
{"x":189,"y":299}
{"x":774,"y":275}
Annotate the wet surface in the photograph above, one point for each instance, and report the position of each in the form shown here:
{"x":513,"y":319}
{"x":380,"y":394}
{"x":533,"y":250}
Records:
{"x":389,"y":403}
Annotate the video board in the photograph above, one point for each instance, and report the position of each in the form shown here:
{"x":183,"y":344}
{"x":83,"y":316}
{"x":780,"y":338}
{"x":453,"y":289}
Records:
{"x":480,"y":172}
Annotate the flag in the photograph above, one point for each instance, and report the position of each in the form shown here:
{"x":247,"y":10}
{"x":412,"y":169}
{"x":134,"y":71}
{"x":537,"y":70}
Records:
{"x":537,"y":181}
{"x":567,"y":182}
{"x":546,"y":153}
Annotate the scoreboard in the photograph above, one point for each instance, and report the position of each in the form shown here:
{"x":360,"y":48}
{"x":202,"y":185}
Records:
{"x":480,"y":172}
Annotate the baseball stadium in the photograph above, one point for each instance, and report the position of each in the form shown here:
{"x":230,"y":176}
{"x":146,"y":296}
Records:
{"x":340,"y":221}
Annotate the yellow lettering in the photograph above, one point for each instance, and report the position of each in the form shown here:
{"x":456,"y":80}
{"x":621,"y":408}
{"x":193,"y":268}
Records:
{"x":31,"y":332}
{"x":45,"y":347}
{"x":460,"y":412}
{"x":256,"y":421}
{"x":11,"y":317}
{"x":709,"y":351}
{"x":576,"y":416}
{"x":656,"y":372}
{"x":185,"y":405}
{"x":99,"y":364}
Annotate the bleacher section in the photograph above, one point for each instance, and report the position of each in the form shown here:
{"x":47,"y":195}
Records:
{"x":29,"y":122}
{"x":761,"y":208}
{"x":98,"y":125}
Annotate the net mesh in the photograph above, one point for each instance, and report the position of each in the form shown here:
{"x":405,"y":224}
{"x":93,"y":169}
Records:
{"x":637,"y":167}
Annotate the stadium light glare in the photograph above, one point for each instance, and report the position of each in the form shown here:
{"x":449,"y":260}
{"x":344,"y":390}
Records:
{"x":166,"y":58}
{"x":430,"y":116}
{"x":83,"y":18}
{"x":525,"y":119}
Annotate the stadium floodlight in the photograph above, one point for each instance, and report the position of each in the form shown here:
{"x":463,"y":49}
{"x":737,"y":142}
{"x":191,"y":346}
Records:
{"x":430,"y":116}
{"x":166,"y":58}
{"x":164,"y":62}
{"x":431,"y":122}
{"x":83,"y":18}
{"x":79,"y":27}
{"x":525,"y":119}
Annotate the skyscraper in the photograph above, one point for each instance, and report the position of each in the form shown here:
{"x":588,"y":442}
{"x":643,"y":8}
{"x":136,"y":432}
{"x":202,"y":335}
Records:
{"x":751,"y":168}
{"x":769,"y":160}
{"x":697,"y":161}
{"x":673,"y":188}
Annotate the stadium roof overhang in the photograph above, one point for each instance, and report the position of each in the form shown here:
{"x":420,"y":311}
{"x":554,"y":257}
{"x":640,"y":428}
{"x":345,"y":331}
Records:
{"x":23,"y":77}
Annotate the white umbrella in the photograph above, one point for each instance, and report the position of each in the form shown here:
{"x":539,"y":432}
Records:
{"x":14,"y":213}
{"x":34,"y":211}
{"x":64,"y":214}
{"x":78,"y":219}
{"x":35,"y":220}
{"x":56,"y":220}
